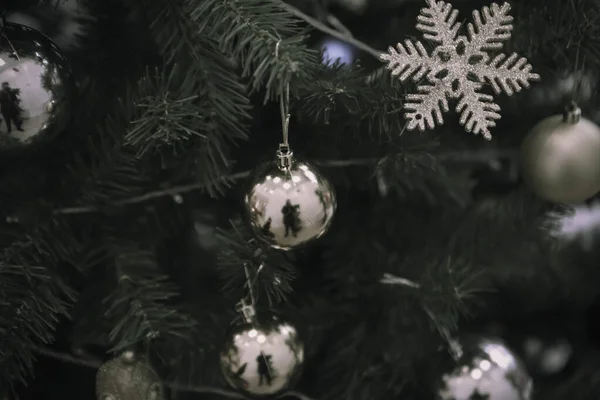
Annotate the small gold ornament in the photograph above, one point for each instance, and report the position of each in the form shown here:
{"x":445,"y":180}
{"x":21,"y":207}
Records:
{"x":128,"y":377}
{"x":262,"y":360}
{"x":560,"y":158}
{"x":289,"y":203}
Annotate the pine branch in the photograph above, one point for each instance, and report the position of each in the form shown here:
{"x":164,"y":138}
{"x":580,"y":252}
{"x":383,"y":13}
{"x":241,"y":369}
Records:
{"x":168,"y":115}
{"x":122,"y":177}
{"x":339,"y":95}
{"x":416,"y":172}
{"x":265,"y":38}
{"x":140,"y":305}
{"x":239,"y":248}
{"x":33,"y":299}
{"x":201,"y":71}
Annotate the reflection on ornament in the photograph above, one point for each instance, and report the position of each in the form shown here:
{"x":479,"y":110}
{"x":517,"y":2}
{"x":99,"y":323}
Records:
{"x":287,"y":207}
{"x":487,"y":369}
{"x":336,"y":50}
{"x":559,"y":158}
{"x":262,"y":360}
{"x":128,"y":377}
{"x":37,"y":87}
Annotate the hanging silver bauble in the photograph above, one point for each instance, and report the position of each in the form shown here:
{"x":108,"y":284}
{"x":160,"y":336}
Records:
{"x":262,"y":360}
{"x":489,"y":370}
{"x":128,"y":377}
{"x":289,"y":203}
{"x":37,"y":87}
{"x":560,"y":158}
{"x":546,"y":356}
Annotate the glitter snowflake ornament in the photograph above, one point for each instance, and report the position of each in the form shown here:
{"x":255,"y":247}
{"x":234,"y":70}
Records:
{"x":459,"y":67}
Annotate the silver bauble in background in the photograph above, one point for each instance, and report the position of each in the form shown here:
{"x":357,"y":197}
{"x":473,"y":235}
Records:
{"x":489,"y":370}
{"x":560,"y":158}
{"x":128,"y":377}
{"x":262,"y":360}
{"x":289,"y":206}
{"x":546,"y":356}
{"x":37,"y":87}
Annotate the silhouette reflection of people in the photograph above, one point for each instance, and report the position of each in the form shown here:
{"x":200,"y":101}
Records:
{"x":9,"y":107}
{"x":264,"y":369}
{"x":478,"y":396}
{"x":291,"y":218}
{"x":237,"y":377}
{"x":266,"y":228}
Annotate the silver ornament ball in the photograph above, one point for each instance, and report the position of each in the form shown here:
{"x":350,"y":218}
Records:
{"x":546,"y":356}
{"x":262,"y":360}
{"x":489,"y":370}
{"x":560,"y":158}
{"x":128,"y":377}
{"x":289,"y":204}
{"x":37,"y":87}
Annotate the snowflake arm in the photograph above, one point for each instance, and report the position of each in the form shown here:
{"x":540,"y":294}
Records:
{"x":508,"y":75}
{"x":489,"y":32}
{"x":408,"y":60}
{"x":478,"y":112}
{"x":425,"y":108}
{"x":438,"y":23}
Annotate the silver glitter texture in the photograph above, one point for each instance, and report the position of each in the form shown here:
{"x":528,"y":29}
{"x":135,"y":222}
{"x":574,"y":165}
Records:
{"x":128,"y":377}
{"x":458,"y":67}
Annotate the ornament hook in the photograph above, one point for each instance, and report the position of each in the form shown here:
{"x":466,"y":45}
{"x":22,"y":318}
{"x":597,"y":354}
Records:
{"x":284,"y":154}
{"x":247,"y":306}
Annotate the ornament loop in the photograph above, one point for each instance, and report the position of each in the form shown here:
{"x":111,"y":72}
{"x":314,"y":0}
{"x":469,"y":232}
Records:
{"x":247,"y":306}
{"x":284,"y":108}
{"x":284,"y":157}
{"x":572,"y":114}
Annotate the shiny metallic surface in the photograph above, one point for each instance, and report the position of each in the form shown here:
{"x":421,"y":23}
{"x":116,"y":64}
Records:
{"x":488,"y":369}
{"x":290,"y":206}
{"x":559,"y":159}
{"x":262,"y":360}
{"x":127,"y":377}
{"x":37,"y":87}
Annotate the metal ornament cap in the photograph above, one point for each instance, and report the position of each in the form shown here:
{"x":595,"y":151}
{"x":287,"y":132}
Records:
{"x":289,"y":206}
{"x":38,"y":88}
{"x":560,"y":158}
{"x":262,"y":360}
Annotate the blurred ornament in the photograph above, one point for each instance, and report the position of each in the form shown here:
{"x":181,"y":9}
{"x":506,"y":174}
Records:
{"x":262,"y":360}
{"x":560,"y":160}
{"x":575,"y":224}
{"x":128,"y":377}
{"x":546,"y":357}
{"x":289,"y":203}
{"x":335,"y":50}
{"x":487,"y":369}
{"x":37,"y":87}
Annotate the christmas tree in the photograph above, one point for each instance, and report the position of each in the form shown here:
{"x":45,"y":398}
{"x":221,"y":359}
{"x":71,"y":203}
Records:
{"x":150,"y":248}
